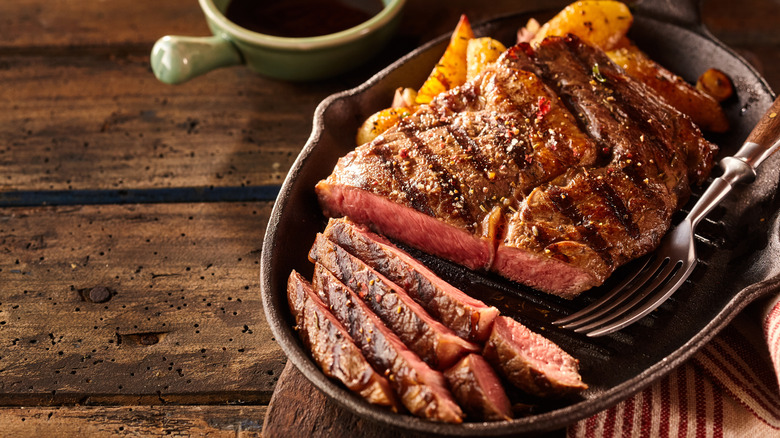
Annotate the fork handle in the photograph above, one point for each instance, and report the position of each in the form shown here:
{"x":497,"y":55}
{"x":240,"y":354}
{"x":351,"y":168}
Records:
{"x":762,"y":142}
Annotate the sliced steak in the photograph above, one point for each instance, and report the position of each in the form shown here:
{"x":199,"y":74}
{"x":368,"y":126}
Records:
{"x":478,"y":389}
{"x":437,"y":345}
{"x":469,"y":318}
{"x":422,"y":390}
{"x":530,"y":361}
{"x":331,"y":346}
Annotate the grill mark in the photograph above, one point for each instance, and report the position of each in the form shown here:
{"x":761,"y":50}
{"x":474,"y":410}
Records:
{"x":478,"y":160}
{"x":443,"y":178}
{"x":417,"y":199}
{"x":615,"y":204}
{"x":638,"y":177}
{"x":589,"y":233}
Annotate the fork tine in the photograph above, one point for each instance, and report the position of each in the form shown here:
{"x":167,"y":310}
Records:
{"x":646,"y":289}
{"x":607,"y":302}
{"x":656,"y":300}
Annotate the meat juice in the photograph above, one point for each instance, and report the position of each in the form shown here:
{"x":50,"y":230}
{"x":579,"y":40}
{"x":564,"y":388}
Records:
{"x":301,"y":18}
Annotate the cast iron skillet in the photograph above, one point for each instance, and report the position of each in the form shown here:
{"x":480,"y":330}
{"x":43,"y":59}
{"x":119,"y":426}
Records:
{"x":739,"y":245}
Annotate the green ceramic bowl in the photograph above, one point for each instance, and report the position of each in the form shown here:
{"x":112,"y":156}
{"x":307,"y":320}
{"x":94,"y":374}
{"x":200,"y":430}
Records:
{"x":176,"y":59}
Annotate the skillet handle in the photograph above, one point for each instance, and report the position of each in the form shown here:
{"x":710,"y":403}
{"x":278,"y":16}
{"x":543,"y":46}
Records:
{"x":685,"y":13}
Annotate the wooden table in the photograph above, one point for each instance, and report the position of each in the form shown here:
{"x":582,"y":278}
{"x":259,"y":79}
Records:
{"x":132,"y":215}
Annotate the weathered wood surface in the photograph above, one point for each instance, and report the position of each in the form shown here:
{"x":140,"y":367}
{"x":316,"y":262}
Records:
{"x":182,"y":332}
{"x":141,"y":421}
{"x":180,"y":319}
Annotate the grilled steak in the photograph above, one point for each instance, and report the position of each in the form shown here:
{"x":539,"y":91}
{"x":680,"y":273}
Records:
{"x":469,"y":318}
{"x":478,"y":389}
{"x":530,"y":361}
{"x":332,"y":347}
{"x":570,"y":234}
{"x":440,"y":179}
{"x":551,"y":168}
{"x":422,"y":390}
{"x":437,"y":345}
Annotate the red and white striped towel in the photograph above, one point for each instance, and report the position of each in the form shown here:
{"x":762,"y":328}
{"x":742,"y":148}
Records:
{"x":730,"y":388}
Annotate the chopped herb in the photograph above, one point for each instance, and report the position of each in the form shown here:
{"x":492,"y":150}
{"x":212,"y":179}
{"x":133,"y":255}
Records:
{"x":597,"y":73}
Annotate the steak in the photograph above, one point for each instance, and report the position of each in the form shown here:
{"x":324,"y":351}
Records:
{"x":551,"y":168}
{"x":469,"y":318}
{"x":530,"y":361}
{"x":422,"y":390}
{"x":331,"y":346}
{"x":440,"y":179}
{"x":478,"y":389}
{"x":437,"y":345}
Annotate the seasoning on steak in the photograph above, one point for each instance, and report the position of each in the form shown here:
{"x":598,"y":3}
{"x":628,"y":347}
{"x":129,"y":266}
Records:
{"x":572,"y":233}
{"x":440,"y":179}
{"x":331,"y":346}
{"x":551,"y":168}
{"x":437,"y":345}
{"x":422,"y":390}
{"x":530,"y":361}
{"x":478,"y":389}
{"x":469,"y":318}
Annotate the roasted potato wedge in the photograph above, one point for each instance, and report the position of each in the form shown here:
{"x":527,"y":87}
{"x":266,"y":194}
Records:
{"x":450,"y":71}
{"x":715,"y":83}
{"x":481,"y":52}
{"x":379,"y":122}
{"x":704,"y":110}
{"x":600,"y":23}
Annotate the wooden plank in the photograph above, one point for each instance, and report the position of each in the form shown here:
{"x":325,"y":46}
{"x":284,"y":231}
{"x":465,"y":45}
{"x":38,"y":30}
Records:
{"x":743,"y":23}
{"x":28,"y":24}
{"x":299,"y":409}
{"x":81,"y":421}
{"x":100,"y":121}
{"x":181,"y":319}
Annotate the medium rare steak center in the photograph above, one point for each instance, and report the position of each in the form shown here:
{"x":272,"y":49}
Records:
{"x":552,"y":168}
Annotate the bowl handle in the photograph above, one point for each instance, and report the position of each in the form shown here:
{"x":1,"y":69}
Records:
{"x":176,"y":59}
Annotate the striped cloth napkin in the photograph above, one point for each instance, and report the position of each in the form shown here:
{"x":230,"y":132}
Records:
{"x":730,"y":388}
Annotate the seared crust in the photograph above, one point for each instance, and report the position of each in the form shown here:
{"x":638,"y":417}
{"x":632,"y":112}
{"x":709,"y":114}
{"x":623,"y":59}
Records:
{"x":551,"y":168}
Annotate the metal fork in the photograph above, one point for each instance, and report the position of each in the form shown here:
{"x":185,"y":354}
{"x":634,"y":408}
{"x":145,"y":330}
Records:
{"x":664,"y":271}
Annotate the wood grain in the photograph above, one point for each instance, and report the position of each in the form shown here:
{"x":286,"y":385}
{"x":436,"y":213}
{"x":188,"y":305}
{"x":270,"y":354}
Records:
{"x":34,"y":24}
{"x":144,"y":421}
{"x":97,"y":121}
{"x":183,"y":321}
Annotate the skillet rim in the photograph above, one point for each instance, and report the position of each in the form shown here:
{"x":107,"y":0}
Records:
{"x":532,"y":424}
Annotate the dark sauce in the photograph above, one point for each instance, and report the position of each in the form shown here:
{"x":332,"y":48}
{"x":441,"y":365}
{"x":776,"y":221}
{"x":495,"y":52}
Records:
{"x":301,"y":18}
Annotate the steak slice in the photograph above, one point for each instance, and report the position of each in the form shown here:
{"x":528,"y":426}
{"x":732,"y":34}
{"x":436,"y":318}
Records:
{"x":478,"y":389}
{"x":530,"y":361}
{"x":439,"y":179}
{"x":332,"y":347}
{"x":422,"y":390}
{"x":437,"y":345}
{"x":469,"y":318}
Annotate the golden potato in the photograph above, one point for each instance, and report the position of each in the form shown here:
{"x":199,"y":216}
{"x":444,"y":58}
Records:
{"x":450,"y":71}
{"x":700,"y":107}
{"x":379,"y":122}
{"x":716,"y":84}
{"x":481,"y":52}
{"x":600,"y":23}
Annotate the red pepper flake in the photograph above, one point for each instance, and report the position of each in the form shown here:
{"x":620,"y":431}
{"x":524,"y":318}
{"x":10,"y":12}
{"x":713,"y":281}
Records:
{"x":544,"y":107}
{"x":403,"y":153}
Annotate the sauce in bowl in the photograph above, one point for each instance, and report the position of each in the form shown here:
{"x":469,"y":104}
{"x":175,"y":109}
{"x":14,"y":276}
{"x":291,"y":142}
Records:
{"x":301,"y":18}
